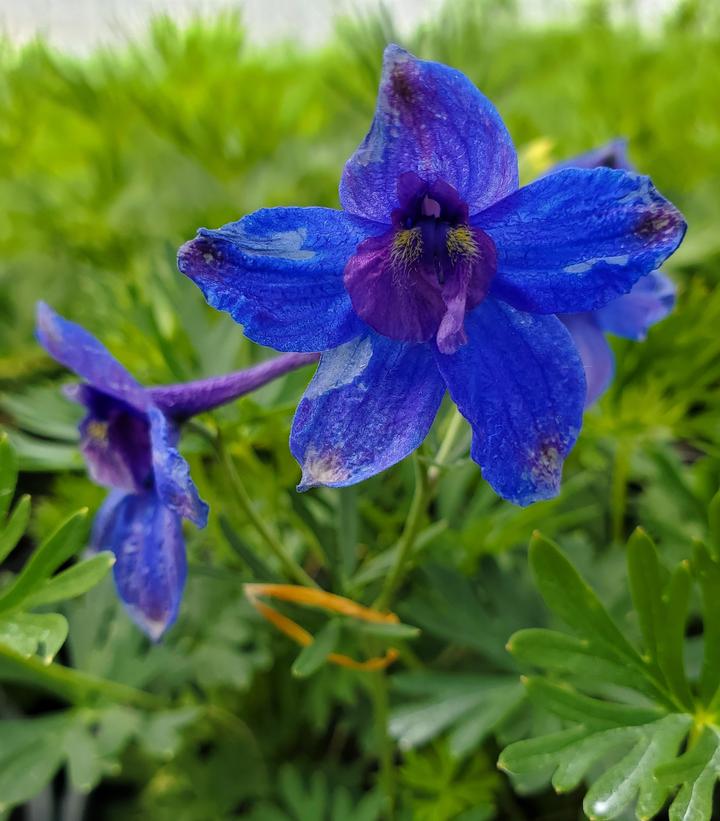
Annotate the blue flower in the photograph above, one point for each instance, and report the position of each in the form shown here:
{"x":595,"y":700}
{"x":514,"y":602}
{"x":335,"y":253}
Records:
{"x":129,"y":440}
{"x":438,"y":273}
{"x":651,"y":299}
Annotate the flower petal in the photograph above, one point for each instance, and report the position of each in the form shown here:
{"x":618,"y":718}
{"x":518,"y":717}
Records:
{"x":173,"y":484}
{"x":150,"y":566}
{"x":279,"y":273}
{"x":519,"y":382}
{"x":651,"y":299}
{"x":429,"y":119}
{"x":596,"y":354}
{"x":572,"y":241}
{"x":371,"y":403}
{"x":611,"y":155}
{"x":77,"y":349}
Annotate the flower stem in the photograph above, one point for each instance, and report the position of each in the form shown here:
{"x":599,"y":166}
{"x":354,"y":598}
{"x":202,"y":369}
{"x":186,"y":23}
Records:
{"x":407,"y":537}
{"x":242,"y":497}
{"x":384,"y":744}
{"x":425,"y":483}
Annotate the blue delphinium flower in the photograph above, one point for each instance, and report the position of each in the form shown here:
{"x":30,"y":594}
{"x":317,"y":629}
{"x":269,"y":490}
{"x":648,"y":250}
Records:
{"x":129,"y":441}
{"x":651,"y":299}
{"x":438,"y":273}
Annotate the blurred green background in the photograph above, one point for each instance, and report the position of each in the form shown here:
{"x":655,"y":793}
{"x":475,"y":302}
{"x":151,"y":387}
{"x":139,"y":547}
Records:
{"x":108,"y":163}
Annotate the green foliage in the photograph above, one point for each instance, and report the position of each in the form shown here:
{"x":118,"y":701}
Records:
{"x":633,"y":723}
{"x":110,"y":161}
{"x":43,"y":634}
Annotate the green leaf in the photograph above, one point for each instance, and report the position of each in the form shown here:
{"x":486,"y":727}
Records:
{"x":15,"y":527}
{"x":672,"y":639}
{"x":619,"y":786}
{"x":30,"y":634}
{"x":646,"y":587}
{"x":569,"y":597}
{"x":312,"y":657}
{"x":8,"y":475}
{"x":578,"y":658}
{"x":571,"y":705}
{"x":74,"y":581}
{"x":714,"y":526}
{"x":85,"y":765}
{"x":390,"y":631}
{"x":30,"y":755}
{"x":540,"y":754}
{"x":55,"y":550}
{"x":470,"y":706}
{"x":162,"y":732}
{"x":707,"y":573}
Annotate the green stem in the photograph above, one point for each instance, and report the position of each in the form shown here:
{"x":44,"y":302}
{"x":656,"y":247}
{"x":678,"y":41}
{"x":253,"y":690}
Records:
{"x":242,"y":497}
{"x":618,"y":505}
{"x":407,"y":538}
{"x":425,"y":484}
{"x":72,"y":685}
{"x":384,"y":744}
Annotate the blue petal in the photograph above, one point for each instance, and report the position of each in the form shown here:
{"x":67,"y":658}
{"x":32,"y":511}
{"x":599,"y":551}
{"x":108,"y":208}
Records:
{"x":77,"y":349}
{"x":429,"y":119}
{"x":651,"y":299}
{"x":279,"y":273}
{"x":572,"y":241}
{"x":150,"y":565}
{"x":611,"y":155}
{"x":596,"y":355}
{"x":520,"y":384}
{"x":172,"y":474}
{"x":371,"y":403}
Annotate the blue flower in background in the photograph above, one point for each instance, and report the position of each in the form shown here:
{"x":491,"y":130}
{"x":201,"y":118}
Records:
{"x":437,"y":274}
{"x":129,"y":440}
{"x":651,"y":299}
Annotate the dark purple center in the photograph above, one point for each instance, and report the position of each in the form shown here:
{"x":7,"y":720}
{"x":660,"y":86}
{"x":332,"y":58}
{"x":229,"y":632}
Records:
{"x":419,"y":279}
{"x":115,"y":441}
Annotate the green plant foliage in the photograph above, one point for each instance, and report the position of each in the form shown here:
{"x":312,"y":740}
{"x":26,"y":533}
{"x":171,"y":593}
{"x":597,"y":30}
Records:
{"x":634,"y":724}
{"x":107,"y":163}
{"x":42,"y":634}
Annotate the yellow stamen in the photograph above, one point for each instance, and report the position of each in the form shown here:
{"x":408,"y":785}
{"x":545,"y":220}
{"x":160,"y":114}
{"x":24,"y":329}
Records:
{"x":461,"y":243}
{"x":406,"y":248}
{"x":97,"y":430}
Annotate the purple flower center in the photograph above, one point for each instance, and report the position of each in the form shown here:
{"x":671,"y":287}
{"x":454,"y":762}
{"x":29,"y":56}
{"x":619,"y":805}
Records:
{"x":419,"y":279}
{"x":115,"y":441}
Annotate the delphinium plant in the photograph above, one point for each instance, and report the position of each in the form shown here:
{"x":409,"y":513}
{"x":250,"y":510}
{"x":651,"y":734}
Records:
{"x":448,"y":307}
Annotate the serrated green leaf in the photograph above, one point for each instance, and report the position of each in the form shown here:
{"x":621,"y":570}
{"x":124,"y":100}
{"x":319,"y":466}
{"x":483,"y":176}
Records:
{"x":569,"y":597}
{"x":15,"y":527}
{"x":30,"y":755}
{"x":688,"y":766}
{"x":540,"y":754}
{"x":8,"y":475}
{"x":55,"y":550}
{"x":694,"y":801}
{"x":30,"y":634}
{"x":571,"y":705}
{"x":74,"y":581}
{"x":575,"y":760}
{"x":312,"y":657}
{"x":619,"y":786}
